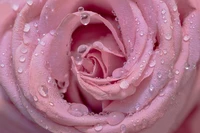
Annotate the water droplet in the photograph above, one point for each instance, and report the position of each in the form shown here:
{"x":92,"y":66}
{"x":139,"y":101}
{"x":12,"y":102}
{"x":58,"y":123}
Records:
{"x":153,"y":63}
{"x":35,"y":98}
{"x":187,"y":66}
{"x":163,"y":11}
{"x":98,"y":127}
{"x":115,"y":118}
{"x":137,"y":107}
{"x":159,"y":75}
{"x":78,"y":59}
{"x":53,"y":32}
{"x":175,"y":8}
{"x":27,"y":27}
{"x":168,"y":36}
{"x":177,"y":72}
{"x":151,"y":88}
{"x":116,"y":19}
{"x":77,"y":109}
{"x":85,"y":18}
{"x":24,"y":50}
{"x":51,"y":104}
{"x":20,"y":70}
{"x":42,"y":43}
{"x":2,"y":65}
{"x":117,"y":73}
{"x":123,"y":128}
{"x":141,"y":33}
{"x":124,"y":84}
{"x":186,"y":38}
{"x":81,"y":9}
{"x":22,"y":59}
{"x":43,"y":90}
{"x":170,"y":74}
{"x":165,"y":51}
{"x":162,"y":61}
{"x":29,"y":2}
{"x":15,"y":7}
{"x":82,"y":48}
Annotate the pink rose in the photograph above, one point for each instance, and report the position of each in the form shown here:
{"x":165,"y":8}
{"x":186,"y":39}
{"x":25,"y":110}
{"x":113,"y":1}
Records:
{"x":109,"y":66}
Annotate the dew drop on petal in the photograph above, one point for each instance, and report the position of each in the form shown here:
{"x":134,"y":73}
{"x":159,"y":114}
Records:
{"x":85,"y":18}
{"x":115,"y":118}
{"x":123,"y":128}
{"x":22,"y":59}
{"x":24,"y":50}
{"x":53,"y":32}
{"x":168,"y":36}
{"x":175,"y":8}
{"x":82,"y":48}
{"x":51,"y":104}
{"x":35,"y":98}
{"x":29,"y":2}
{"x":15,"y":7}
{"x":78,"y":110}
{"x":124,"y":84}
{"x":98,"y":127}
{"x":187,"y":66}
{"x":43,"y":91}
{"x":27,"y":27}
{"x":152,"y":63}
{"x":81,"y":9}
{"x":186,"y":38}
{"x":151,"y":88}
{"x":159,"y":75}
{"x":163,"y":11}
{"x":117,"y":73}
{"x":20,"y":70}
{"x":2,"y":65}
{"x":177,"y":72}
{"x":78,"y":59}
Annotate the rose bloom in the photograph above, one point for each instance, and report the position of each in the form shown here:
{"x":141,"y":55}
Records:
{"x":99,"y":66}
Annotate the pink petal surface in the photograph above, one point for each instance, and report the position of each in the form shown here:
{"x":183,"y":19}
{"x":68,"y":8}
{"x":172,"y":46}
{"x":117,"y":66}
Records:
{"x":138,"y":71}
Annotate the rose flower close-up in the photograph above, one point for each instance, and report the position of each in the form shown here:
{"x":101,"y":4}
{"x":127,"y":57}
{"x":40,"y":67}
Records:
{"x":99,"y":66}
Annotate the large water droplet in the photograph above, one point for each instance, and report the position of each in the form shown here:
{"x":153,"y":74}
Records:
{"x":82,"y":48}
{"x":124,"y":84}
{"x":85,"y":18}
{"x":78,"y":59}
{"x":27,"y":27}
{"x":78,"y":110}
{"x":117,"y":73}
{"x":43,"y":91}
{"x":98,"y":127}
{"x":115,"y":118}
